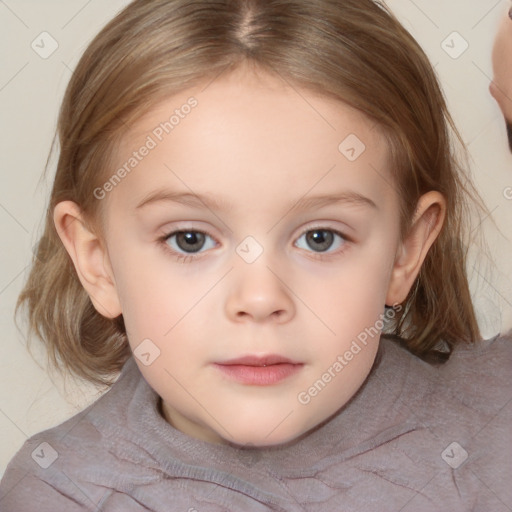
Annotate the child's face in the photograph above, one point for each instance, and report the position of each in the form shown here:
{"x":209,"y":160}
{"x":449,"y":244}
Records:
{"x":256,"y":167}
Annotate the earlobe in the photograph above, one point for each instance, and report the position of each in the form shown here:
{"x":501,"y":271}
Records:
{"x":89,"y":258}
{"x":426,"y":226}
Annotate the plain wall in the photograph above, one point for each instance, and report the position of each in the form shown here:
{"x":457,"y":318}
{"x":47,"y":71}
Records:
{"x":31,"y":88}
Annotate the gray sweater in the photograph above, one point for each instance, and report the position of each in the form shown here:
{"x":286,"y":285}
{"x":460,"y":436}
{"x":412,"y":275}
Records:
{"x":415,"y":438}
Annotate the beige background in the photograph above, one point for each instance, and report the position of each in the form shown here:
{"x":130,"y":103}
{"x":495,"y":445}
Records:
{"x":30,"y":91}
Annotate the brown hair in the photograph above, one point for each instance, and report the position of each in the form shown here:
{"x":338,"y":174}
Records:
{"x":352,"y":50}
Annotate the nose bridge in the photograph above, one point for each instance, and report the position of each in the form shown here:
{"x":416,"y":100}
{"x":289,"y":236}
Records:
{"x":257,"y":292}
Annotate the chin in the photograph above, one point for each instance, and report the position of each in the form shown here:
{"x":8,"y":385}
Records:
{"x":267,"y":435}
{"x":263,"y":441}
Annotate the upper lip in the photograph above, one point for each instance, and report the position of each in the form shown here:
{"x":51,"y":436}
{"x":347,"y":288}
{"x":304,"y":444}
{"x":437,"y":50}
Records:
{"x":267,"y":360}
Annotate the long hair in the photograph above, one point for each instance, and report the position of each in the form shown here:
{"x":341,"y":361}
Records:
{"x":352,"y":50}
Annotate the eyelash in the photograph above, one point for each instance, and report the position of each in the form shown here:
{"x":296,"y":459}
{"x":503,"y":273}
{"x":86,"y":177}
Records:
{"x":180,"y":257}
{"x":188,"y":258}
{"x":184,"y":258}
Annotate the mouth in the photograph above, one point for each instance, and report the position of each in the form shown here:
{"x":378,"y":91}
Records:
{"x":259,"y":370}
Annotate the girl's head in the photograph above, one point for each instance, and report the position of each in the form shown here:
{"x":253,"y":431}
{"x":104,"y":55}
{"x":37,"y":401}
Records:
{"x":251,"y":179}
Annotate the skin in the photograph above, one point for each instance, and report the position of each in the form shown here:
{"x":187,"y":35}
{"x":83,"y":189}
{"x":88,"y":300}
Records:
{"x":257,"y":147}
{"x":501,"y":86}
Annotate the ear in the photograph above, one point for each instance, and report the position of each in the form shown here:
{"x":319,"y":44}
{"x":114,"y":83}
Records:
{"x":427,"y":223}
{"x":89,"y":257}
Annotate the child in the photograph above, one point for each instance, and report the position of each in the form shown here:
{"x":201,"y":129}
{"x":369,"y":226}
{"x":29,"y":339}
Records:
{"x":248,"y":193}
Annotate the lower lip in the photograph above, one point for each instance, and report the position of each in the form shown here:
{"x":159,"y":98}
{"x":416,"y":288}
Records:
{"x":259,"y":375}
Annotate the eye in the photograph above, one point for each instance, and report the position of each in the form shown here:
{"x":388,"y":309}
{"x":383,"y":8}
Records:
{"x":320,"y":240}
{"x":189,"y":242}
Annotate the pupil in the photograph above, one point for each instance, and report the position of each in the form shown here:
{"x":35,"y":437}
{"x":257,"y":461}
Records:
{"x":320,"y":240}
{"x":190,"y":241}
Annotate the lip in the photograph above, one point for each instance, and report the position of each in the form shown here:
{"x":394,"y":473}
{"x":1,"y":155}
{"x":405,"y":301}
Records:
{"x":259,"y":370}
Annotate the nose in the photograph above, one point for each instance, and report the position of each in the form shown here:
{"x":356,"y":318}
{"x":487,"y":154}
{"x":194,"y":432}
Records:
{"x":258,"y":295}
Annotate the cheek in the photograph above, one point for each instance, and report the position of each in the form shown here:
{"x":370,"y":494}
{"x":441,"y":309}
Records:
{"x":501,"y":55}
{"x":154,"y":294}
{"x":352,"y":304}
{"x":357,"y":286}
{"x":159,"y":296}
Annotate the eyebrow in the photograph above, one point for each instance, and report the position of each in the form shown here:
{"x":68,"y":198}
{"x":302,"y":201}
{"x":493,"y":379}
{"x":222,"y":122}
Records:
{"x":185,"y":198}
{"x":304,"y":203}
{"x":346,"y":197}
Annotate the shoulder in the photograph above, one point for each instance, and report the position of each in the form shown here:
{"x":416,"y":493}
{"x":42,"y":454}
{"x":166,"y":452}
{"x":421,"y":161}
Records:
{"x":479,"y":380}
{"x":464,"y":395}
{"x":472,"y":374}
{"x":463,"y":409}
{"x":492,"y":355}
{"x":60,"y":468}
{"x":41,"y":476}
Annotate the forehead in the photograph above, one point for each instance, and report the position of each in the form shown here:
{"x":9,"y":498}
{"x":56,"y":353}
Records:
{"x":255,"y":134}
